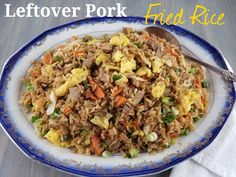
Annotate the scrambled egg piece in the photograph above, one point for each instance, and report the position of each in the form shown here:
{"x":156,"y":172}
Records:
{"x":189,"y":97}
{"x":122,"y":81}
{"x":54,"y":137}
{"x":77,"y":75}
{"x":156,"y":64}
{"x":118,"y":56}
{"x":120,"y":40}
{"x":144,"y":71}
{"x":159,"y":89}
{"x":127,"y":65}
{"x":101,"y":121}
{"x":102,"y":57}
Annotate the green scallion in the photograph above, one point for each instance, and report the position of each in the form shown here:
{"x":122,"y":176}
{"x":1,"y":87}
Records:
{"x":169,"y":118}
{"x":116,"y":77}
{"x":34,"y":118}
{"x":193,"y":70}
{"x":29,"y":86}
{"x":133,"y":152}
{"x":84,"y":132}
{"x":168,"y":100}
{"x":205,"y":84}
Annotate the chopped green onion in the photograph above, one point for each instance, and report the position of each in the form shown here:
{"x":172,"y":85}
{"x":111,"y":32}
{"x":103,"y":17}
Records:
{"x":164,"y":111}
{"x":168,"y":100}
{"x":178,"y":70}
{"x":84,"y":132}
{"x":138,"y":44}
{"x":58,"y":58}
{"x":193,"y":70}
{"x":87,"y":142}
{"x":184,"y":131}
{"x":151,"y":137}
{"x":66,"y":137}
{"x":116,"y":77}
{"x":85,"y":84}
{"x":205,"y":84}
{"x":104,"y":145}
{"x":29,"y":86}
{"x":133,"y":152}
{"x":106,"y":154}
{"x":34,"y":118}
{"x":175,"y":110}
{"x":196,"y":119}
{"x":169,"y":118}
{"x":55,"y":114}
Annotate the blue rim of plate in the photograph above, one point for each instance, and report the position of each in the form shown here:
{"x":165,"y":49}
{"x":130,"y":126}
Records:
{"x":144,"y":169}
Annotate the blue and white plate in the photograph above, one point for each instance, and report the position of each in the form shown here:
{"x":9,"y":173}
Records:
{"x":15,"y":124}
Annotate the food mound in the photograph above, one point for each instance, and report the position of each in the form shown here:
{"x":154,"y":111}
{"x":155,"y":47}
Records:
{"x":128,"y":92}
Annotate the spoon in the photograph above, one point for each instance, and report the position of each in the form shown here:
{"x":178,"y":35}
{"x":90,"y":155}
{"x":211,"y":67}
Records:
{"x":159,"y":32}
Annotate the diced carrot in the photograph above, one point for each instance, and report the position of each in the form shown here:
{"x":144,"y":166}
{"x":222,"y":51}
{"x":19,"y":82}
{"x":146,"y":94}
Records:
{"x":47,"y":58}
{"x":89,"y":94}
{"x":67,"y":110}
{"x":116,"y":90}
{"x":173,"y":135}
{"x":79,"y":52}
{"x":135,"y":124}
{"x":121,"y":100}
{"x":197,"y":81}
{"x":203,"y":100}
{"x":98,"y":91}
{"x":96,"y":144}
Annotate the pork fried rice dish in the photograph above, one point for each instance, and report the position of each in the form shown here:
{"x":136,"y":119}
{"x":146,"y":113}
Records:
{"x":127,"y":93}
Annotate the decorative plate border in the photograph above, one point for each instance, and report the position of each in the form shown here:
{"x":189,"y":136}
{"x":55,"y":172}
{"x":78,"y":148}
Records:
{"x":149,"y":167}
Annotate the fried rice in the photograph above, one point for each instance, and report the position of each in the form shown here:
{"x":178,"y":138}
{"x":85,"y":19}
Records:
{"x":128,"y":92}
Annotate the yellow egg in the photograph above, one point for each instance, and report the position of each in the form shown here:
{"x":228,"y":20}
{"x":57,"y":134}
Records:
{"x":159,"y":89}
{"x":53,"y":137}
{"x":102,"y":57}
{"x":144,"y":71}
{"x":127,"y":65}
{"x":118,"y":56}
{"x":101,"y":121}
{"x":187,"y":100}
{"x":156,"y":64}
{"x":77,"y":75}
{"x":120,"y":40}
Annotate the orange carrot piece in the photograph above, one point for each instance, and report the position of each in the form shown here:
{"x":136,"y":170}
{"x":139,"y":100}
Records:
{"x":172,"y":52}
{"x":98,"y":91}
{"x":47,"y":58}
{"x":197,"y":82}
{"x":89,"y":94}
{"x":96,"y":144}
{"x":67,"y":110}
{"x":35,"y":73}
{"x":116,"y":90}
{"x":121,"y":100}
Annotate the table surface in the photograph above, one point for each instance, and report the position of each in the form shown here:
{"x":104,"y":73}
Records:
{"x":17,"y":31}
